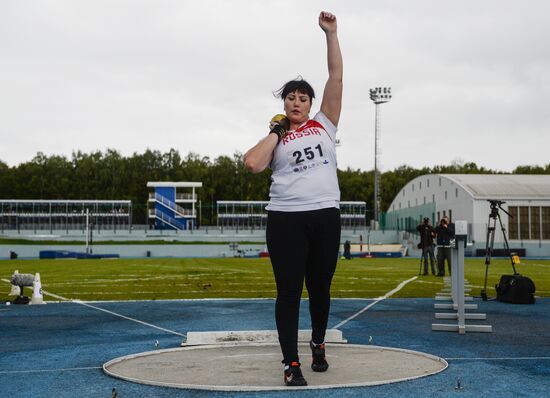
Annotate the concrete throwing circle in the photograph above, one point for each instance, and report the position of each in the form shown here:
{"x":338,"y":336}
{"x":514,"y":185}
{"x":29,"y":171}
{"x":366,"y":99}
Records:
{"x":257,"y":367}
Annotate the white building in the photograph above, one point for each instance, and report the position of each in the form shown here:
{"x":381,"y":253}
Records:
{"x":465,"y":197}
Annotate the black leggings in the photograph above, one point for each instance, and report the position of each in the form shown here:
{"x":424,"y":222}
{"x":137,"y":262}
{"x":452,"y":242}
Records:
{"x":302,"y":244}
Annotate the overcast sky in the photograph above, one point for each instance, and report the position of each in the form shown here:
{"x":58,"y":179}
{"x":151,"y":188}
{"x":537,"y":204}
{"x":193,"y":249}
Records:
{"x":470,"y":79}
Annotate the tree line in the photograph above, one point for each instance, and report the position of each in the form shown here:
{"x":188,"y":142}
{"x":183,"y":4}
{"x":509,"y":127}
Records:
{"x":110,"y":176}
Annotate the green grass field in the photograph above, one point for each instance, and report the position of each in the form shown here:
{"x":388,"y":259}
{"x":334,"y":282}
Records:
{"x":156,"y":279}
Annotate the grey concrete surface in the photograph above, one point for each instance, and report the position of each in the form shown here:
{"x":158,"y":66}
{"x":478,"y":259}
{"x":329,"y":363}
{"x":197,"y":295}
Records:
{"x":257,"y":367}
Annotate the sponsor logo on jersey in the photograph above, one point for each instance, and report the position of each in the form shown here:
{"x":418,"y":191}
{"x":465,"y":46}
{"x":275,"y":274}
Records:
{"x":310,"y":166}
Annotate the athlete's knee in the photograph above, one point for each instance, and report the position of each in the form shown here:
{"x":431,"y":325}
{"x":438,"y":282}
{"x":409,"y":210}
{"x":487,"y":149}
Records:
{"x":289,"y":295}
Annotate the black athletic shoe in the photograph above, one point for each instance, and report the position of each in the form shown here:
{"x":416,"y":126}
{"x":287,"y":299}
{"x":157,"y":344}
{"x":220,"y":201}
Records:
{"x":318,"y":361}
{"x":293,"y":376}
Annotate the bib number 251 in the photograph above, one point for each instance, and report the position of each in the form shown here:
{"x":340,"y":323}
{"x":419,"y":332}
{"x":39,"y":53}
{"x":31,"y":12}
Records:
{"x":308,"y":153}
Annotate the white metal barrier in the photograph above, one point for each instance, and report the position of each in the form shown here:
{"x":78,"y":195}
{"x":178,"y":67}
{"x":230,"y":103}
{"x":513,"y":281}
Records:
{"x":457,"y":292}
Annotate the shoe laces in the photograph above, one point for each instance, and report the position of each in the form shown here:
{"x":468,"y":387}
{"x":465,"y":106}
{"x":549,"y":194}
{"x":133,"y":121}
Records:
{"x":318,"y":350}
{"x":294,"y":364}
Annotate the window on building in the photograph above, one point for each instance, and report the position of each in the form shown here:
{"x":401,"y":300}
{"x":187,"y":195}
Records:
{"x":433,"y":198}
{"x":513,"y":223}
{"x":443,"y":213}
{"x":535,"y":223}
{"x":428,"y":183}
{"x":524,"y":222}
{"x":413,"y":187}
{"x":409,"y":203}
{"x":545,"y":221}
{"x":403,"y":191}
{"x":456,"y":192}
{"x":445,"y":195}
{"x":424,"y":200}
{"x":450,"y":215}
{"x":439,"y":181}
{"x":400,"y":205}
{"x":416,"y":202}
{"x":438,"y":217}
{"x":419,"y":184}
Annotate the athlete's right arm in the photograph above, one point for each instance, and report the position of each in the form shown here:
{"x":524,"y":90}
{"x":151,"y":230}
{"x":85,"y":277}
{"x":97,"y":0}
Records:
{"x":259,"y":156}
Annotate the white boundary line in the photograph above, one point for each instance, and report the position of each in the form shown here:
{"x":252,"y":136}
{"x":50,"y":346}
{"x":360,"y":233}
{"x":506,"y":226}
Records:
{"x":500,"y":359}
{"x":48,"y":370}
{"x":109,"y":312}
{"x":128,"y":318}
{"x":388,"y":294}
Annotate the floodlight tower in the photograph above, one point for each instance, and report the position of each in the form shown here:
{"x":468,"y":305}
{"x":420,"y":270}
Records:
{"x":378,"y":95}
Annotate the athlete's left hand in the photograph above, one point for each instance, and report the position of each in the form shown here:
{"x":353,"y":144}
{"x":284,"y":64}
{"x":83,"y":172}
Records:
{"x":327,"y":22}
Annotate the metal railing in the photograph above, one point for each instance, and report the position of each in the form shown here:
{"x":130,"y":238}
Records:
{"x":169,"y":220}
{"x":186,"y":196}
{"x":173,"y":206}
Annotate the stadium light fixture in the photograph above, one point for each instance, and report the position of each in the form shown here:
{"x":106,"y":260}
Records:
{"x":378,"y":95}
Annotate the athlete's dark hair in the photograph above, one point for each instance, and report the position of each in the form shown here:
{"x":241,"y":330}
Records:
{"x":297,"y":84}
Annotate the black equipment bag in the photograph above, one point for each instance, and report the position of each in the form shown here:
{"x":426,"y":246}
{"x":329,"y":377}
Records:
{"x":516,"y":289}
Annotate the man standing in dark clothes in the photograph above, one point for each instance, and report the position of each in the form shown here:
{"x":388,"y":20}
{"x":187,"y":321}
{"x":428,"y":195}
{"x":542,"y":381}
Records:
{"x":445,"y":234}
{"x":427,"y":234}
{"x":347,"y":250}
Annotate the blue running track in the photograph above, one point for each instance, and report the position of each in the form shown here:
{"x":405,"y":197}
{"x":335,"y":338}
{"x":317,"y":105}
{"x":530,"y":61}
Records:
{"x":57,"y":350}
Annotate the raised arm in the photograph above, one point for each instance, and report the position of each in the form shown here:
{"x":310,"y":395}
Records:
{"x":332,"y":96}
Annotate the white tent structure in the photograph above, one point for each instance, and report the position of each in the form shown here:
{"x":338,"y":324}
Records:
{"x":466,"y":197}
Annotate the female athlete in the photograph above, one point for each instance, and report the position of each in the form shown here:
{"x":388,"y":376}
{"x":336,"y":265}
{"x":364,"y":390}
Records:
{"x":303,"y":224}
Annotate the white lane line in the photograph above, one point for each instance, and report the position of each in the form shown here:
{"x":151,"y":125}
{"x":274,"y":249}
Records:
{"x":110,"y":312}
{"x":128,"y":318}
{"x":48,"y":370}
{"x":500,"y":359}
{"x":388,"y":294}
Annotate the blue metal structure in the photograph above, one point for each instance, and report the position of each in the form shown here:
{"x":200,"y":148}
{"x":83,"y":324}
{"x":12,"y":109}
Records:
{"x":170,"y":209}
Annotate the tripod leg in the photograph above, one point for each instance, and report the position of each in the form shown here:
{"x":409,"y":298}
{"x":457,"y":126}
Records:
{"x":490,"y":240}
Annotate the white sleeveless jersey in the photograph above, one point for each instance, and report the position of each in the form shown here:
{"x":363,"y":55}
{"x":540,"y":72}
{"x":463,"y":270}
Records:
{"x":304,"y":168}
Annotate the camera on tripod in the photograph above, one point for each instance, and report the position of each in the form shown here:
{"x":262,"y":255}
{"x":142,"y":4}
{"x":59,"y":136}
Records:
{"x":523,"y":288}
{"x":495,"y":206}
